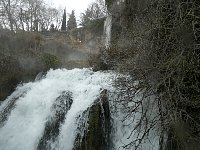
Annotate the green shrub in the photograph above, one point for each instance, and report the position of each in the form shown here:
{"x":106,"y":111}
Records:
{"x":50,"y":61}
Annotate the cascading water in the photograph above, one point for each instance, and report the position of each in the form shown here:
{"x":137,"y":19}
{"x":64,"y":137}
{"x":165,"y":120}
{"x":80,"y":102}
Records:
{"x":52,"y":113}
{"x":107,"y":30}
{"x":130,"y":129}
{"x":49,"y":113}
{"x":35,"y":109}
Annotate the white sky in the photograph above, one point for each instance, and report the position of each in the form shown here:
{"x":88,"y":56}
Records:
{"x":78,"y":5}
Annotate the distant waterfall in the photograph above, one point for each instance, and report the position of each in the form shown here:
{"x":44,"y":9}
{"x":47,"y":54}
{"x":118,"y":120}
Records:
{"x":107,"y":30}
{"x":50,"y":112}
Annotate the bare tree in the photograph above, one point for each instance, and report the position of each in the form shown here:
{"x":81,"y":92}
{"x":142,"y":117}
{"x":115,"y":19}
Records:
{"x":95,"y":10}
{"x":30,"y":15}
{"x":50,"y":15}
{"x":8,"y":9}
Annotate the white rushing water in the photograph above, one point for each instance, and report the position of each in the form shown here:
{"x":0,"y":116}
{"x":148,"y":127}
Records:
{"x":25,"y":113}
{"x":126,"y":129}
{"x":107,"y":30}
{"x":26,"y":122}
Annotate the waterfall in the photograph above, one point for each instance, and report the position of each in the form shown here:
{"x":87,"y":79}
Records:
{"x":127,"y":130}
{"x":58,"y":100}
{"x":107,"y":30}
{"x":52,"y":112}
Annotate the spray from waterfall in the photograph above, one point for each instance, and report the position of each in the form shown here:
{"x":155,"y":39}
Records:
{"x":53,"y":113}
{"x":107,"y":30}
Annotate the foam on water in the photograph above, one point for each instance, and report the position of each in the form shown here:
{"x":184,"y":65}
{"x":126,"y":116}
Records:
{"x":26,"y":122}
{"x":24,"y":114}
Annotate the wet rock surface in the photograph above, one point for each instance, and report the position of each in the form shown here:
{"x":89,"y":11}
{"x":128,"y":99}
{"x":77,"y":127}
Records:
{"x":52,"y":128}
{"x":97,"y":135}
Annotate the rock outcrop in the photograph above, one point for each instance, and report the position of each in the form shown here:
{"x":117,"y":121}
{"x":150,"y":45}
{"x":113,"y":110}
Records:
{"x":97,"y":135}
{"x":52,"y":128}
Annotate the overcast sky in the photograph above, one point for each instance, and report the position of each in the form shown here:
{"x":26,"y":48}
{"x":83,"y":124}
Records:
{"x":78,"y":5}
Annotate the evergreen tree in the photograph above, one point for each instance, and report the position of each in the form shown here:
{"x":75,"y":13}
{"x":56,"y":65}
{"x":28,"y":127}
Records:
{"x":71,"y":23}
{"x":63,"y":27}
{"x":86,"y":17}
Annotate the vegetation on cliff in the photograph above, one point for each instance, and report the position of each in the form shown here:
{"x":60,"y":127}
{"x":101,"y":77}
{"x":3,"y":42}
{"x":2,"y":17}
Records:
{"x":157,"y":42}
{"x":25,"y":54}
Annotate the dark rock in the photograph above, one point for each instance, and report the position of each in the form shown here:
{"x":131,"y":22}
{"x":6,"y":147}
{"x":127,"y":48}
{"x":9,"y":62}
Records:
{"x":97,"y":135}
{"x":52,"y":128}
{"x":10,"y":73}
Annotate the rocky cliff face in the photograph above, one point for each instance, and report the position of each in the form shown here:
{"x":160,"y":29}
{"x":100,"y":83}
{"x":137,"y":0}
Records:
{"x":140,"y":31}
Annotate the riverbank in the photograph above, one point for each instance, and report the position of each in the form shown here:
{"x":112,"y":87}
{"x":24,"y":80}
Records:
{"x":23,"y":55}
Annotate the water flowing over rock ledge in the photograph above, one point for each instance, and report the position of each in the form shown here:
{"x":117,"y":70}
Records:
{"x":97,"y":134}
{"x":45,"y":114}
{"x":69,"y":110}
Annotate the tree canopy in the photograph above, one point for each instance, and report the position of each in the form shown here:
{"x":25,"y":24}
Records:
{"x":28,"y":15}
{"x":94,"y":11}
